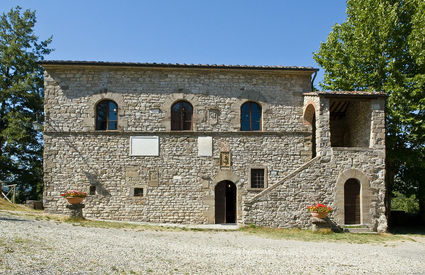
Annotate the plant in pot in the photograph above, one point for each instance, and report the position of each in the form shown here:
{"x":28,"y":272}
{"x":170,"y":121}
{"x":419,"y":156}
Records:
{"x":319,"y":210}
{"x":74,"y":196}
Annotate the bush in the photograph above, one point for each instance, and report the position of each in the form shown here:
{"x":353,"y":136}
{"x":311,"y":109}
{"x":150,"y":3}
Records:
{"x":403,"y":203}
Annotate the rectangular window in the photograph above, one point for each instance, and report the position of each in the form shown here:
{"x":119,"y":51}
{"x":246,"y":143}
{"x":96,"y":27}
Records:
{"x":257,"y":178}
{"x":92,"y":190}
{"x":138,"y":192}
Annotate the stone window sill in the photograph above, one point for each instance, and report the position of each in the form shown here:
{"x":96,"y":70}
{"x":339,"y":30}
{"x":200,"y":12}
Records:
{"x":352,"y":148}
{"x":188,"y":133}
{"x":256,"y":189}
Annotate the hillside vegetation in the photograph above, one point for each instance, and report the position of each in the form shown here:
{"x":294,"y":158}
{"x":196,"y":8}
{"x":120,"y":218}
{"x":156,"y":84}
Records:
{"x":5,"y":205}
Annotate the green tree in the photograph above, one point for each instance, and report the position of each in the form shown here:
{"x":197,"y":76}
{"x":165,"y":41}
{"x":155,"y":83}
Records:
{"x":403,"y":203}
{"x":21,"y":102}
{"x":381,"y":47}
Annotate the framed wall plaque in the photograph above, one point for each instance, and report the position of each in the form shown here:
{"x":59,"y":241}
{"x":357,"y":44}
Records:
{"x":225,"y":160}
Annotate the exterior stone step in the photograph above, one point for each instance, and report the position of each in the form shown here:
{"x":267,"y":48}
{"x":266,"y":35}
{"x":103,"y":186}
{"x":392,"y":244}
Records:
{"x":356,"y":229}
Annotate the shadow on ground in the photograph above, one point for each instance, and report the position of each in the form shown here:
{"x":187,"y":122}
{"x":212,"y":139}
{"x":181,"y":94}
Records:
{"x":12,"y":219}
{"x":406,"y":223}
{"x":418,"y":230}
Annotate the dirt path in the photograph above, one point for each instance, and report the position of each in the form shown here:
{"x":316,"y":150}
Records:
{"x":49,"y":247}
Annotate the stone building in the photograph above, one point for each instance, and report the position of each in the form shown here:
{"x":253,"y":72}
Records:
{"x":204,"y":144}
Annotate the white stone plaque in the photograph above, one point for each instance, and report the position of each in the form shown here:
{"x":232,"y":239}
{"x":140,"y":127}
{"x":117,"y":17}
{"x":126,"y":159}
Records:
{"x":144,"y":146}
{"x":204,"y":146}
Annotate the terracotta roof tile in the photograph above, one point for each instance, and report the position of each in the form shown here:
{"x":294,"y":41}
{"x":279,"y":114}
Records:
{"x":347,"y":93}
{"x":176,"y":65}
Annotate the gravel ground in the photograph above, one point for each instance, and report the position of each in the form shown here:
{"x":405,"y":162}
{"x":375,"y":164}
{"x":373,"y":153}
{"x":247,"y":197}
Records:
{"x":47,"y":247}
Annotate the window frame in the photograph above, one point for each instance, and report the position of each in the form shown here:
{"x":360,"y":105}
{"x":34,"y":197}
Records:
{"x":139,"y":195}
{"x":131,"y":191}
{"x":260,"y":122}
{"x":108,"y":101}
{"x":181,"y":117}
{"x":265,"y":178}
{"x":92,"y":190}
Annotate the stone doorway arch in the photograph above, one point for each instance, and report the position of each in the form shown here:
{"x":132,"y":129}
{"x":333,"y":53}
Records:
{"x":352,"y":213}
{"x":365,"y":196}
{"x":225,"y":202}
{"x":310,"y":119}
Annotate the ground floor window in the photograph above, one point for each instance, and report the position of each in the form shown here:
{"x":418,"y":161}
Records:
{"x":92,"y":190}
{"x":138,"y":192}
{"x":257,"y":178}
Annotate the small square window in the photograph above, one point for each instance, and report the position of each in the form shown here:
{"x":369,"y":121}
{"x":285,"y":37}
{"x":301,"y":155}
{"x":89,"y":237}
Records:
{"x":92,"y":190}
{"x":138,"y":192}
{"x":257,"y":178}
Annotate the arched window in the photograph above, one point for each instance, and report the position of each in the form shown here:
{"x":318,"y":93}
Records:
{"x":250,"y":116}
{"x":181,"y":116}
{"x":310,"y":118}
{"x":107,"y":115}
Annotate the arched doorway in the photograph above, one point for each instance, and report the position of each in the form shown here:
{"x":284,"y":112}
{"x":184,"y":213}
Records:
{"x":310,"y":118}
{"x":352,"y":202}
{"x":225,"y":202}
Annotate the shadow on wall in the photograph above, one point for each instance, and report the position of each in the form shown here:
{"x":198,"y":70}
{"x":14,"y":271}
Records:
{"x":104,"y":81}
{"x":92,"y":177}
{"x":94,"y":181}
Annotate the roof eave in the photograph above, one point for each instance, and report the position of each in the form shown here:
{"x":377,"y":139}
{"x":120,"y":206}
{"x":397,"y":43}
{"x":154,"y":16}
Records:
{"x":352,"y":94}
{"x":55,"y":63}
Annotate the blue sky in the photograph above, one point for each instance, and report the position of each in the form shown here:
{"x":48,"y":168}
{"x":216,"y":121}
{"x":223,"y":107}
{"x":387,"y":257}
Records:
{"x":248,"y":32}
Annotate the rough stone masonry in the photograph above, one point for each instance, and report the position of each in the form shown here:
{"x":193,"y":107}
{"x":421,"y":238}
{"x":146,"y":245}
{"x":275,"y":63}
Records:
{"x":311,"y":147}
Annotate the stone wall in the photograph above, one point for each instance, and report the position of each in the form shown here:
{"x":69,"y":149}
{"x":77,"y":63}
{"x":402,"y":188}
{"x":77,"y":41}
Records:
{"x":145,"y":96}
{"x":322,"y":179}
{"x":178,"y":185}
{"x":184,"y":191}
{"x":76,"y":156}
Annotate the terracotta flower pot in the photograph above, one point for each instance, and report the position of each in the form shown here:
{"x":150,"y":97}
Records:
{"x":319,"y":215}
{"x":74,"y":200}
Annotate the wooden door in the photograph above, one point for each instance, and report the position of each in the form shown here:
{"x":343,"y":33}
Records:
{"x":352,"y":201}
{"x":230,"y":202}
{"x":220,"y":202}
{"x":313,"y":137}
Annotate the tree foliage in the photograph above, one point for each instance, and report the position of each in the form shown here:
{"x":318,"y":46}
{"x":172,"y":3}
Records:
{"x":21,"y":102}
{"x":381,"y":47}
{"x":403,"y":203}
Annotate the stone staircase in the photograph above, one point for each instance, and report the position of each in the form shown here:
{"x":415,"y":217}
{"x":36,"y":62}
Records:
{"x":286,"y":178}
{"x":265,"y":208}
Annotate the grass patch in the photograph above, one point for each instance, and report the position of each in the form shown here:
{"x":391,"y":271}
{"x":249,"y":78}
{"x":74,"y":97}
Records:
{"x":118,"y":225}
{"x":101,"y":224}
{"x":21,"y":241}
{"x":266,"y":232}
{"x":133,"y":226}
{"x":354,"y":226}
{"x":5,"y":205}
{"x":320,"y":236}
